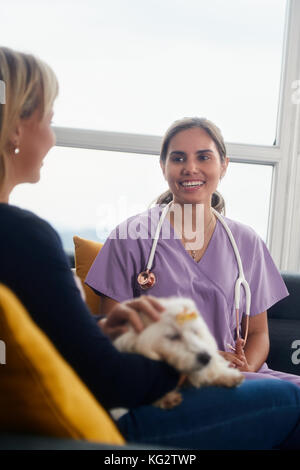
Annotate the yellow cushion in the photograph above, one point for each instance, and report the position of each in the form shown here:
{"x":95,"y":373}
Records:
{"x":85,"y":254}
{"x":39,"y":392}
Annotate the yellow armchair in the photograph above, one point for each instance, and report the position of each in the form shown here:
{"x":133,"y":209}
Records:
{"x":39,"y":392}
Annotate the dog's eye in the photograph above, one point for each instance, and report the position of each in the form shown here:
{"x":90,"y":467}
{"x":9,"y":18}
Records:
{"x":174,"y":337}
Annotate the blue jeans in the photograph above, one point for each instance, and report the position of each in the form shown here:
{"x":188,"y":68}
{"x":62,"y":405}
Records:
{"x":259,"y":414}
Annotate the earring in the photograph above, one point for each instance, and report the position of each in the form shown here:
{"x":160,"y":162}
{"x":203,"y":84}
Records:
{"x":17,"y":150}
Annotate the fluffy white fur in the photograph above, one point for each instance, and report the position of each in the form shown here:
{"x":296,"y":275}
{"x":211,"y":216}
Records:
{"x":182,"y":339}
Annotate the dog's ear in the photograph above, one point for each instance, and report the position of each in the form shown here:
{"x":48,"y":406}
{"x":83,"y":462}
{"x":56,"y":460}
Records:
{"x":151,"y":355}
{"x":126,"y":342}
{"x":154,"y":355}
{"x":144,"y":348}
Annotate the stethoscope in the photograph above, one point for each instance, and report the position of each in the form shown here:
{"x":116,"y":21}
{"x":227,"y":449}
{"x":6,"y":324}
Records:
{"x":146,"y":279}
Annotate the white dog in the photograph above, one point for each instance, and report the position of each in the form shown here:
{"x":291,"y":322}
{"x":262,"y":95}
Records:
{"x":183,"y":340}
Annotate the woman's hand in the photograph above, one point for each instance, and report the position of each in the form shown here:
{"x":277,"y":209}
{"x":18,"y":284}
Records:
{"x":234,"y":360}
{"x":117,"y":320}
{"x":238,"y":359}
{"x":239,"y":351}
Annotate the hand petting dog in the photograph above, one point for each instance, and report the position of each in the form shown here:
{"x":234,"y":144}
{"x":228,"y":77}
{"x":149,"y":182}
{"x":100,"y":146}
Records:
{"x":127,"y":314}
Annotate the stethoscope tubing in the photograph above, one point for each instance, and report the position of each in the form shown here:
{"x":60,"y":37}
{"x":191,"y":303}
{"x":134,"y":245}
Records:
{"x":241,"y":281}
{"x":156,"y":235}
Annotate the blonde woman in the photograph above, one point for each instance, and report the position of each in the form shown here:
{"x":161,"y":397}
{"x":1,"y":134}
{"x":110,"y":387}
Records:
{"x":34,"y":266}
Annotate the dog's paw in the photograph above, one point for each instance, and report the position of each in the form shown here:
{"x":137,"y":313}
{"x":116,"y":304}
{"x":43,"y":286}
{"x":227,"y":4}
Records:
{"x":217,"y":374}
{"x":170,"y":400}
{"x":232,"y":378}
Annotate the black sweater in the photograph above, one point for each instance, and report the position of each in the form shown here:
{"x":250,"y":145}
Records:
{"x":33,"y":264}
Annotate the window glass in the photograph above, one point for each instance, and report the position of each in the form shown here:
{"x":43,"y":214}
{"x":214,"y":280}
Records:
{"x":137,"y":65}
{"x":246,"y":189}
{"x":88,"y":192}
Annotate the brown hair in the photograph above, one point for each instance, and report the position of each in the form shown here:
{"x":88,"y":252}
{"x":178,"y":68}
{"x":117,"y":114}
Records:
{"x":214,"y":132}
{"x":29,"y":84}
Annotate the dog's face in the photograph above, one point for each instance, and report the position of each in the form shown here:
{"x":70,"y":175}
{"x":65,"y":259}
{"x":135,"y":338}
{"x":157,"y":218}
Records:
{"x":180,"y":337}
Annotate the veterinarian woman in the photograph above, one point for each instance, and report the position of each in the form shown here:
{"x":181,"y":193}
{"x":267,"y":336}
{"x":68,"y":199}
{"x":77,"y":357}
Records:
{"x":193,"y":160}
{"x":34,"y":266}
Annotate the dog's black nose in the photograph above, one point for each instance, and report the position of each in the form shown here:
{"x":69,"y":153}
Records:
{"x":203,"y":358}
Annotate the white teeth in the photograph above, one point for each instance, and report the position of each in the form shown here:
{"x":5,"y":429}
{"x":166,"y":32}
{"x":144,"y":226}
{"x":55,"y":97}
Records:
{"x":192,"y":183}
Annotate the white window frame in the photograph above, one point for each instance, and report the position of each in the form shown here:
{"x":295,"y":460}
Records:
{"x":283,"y":237}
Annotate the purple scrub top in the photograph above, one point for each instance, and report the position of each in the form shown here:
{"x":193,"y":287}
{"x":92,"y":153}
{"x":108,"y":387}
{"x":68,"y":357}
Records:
{"x":210,"y":282}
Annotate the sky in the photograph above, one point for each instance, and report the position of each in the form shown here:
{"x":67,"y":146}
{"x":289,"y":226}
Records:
{"x":136,"y":66}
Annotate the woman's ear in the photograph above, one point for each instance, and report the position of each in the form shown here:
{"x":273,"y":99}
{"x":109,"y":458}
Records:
{"x":15,"y":135}
{"x":163,"y":167}
{"x":224,"y":167}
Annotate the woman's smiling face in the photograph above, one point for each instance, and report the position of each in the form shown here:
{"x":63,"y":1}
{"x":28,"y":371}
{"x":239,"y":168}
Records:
{"x":193,"y":167}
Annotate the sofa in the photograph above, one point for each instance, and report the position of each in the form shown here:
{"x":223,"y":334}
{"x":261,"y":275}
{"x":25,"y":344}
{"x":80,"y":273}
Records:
{"x":284,"y":355}
{"x":284,"y":328}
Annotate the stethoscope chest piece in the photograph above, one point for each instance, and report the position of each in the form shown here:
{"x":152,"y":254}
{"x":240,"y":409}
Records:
{"x":146,"y":279}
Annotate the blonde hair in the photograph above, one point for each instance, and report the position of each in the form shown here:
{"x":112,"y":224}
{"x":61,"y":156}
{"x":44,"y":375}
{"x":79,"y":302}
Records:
{"x":30,"y":84}
{"x":214,"y":132}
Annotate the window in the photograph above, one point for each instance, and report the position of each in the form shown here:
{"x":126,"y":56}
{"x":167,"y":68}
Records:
{"x":136,"y":66}
{"x":94,"y":190}
{"x":127,"y":70}
{"x":88,"y":192}
{"x":246,"y":189}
